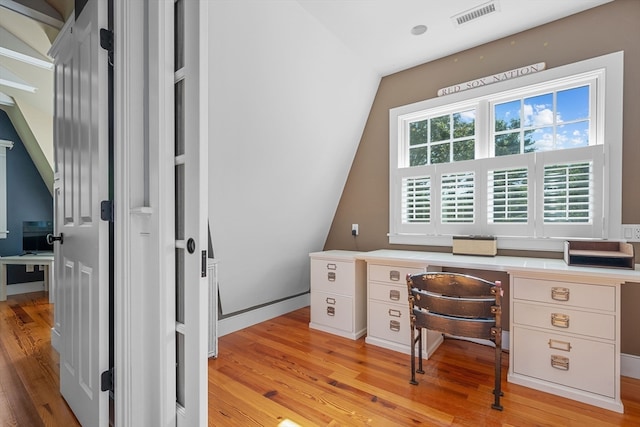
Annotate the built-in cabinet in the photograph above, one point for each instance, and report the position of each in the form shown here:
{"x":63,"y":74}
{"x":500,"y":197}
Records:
{"x":565,"y":336}
{"x":564,"y":333}
{"x":388,"y":322}
{"x":338,"y":293}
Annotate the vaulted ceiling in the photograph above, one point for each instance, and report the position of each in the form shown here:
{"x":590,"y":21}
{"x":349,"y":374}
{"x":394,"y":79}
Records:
{"x":27,"y":30}
{"x":381,"y":33}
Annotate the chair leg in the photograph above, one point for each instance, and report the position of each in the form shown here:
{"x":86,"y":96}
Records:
{"x":497,"y":387}
{"x":413,"y":357}
{"x":419,"y":339}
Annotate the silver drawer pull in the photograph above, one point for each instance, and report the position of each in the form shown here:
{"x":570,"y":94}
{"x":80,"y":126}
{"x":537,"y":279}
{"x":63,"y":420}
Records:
{"x":560,"y":345}
{"x":560,"y":320}
{"x":394,"y":325}
{"x":394,"y":313}
{"x":560,"y":362}
{"x":331,"y":311}
{"x":331,"y":276}
{"x":394,"y":295}
{"x":560,"y":294}
{"x":332,"y":267}
{"x":331,"y":300}
{"x":394,"y":275}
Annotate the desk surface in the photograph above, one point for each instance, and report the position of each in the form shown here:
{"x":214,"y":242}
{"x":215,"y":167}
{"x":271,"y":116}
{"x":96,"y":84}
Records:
{"x":500,"y":263}
{"x":45,"y":258}
{"x":27,"y":258}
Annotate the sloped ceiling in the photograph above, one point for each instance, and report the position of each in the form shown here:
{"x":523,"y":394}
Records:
{"x":27,"y":29}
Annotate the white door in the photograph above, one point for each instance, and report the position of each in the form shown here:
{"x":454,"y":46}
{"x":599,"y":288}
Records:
{"x":191,"y":205}
{"x":81,"y":144}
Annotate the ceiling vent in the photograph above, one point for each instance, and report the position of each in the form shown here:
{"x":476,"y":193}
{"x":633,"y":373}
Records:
{"x":475,"y":13}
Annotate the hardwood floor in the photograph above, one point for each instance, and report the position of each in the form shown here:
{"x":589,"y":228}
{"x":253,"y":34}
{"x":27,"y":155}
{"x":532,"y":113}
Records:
{"x":29,"y":366}
{"x":281,"y":373}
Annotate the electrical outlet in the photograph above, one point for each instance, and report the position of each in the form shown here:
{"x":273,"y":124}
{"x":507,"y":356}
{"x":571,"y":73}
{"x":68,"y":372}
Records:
{"x":354,"y":229}
{"x":631,"y":232}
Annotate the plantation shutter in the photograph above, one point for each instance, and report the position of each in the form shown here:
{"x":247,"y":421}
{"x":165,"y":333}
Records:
{"x":570,"y":193}
{"x":457,"y":195}
{"x":416,"y":200}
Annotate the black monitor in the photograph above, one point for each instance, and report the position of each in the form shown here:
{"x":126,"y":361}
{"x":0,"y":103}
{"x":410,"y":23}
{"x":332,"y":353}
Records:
{"x":34,"y":236}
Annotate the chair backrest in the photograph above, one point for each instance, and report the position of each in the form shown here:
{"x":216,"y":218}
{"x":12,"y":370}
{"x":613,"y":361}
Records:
{"x":455,"y":304}
{"x":459,"y":305}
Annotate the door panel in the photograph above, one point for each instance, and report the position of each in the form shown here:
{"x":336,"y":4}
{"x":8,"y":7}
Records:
{"x":81,"y":144}
{"x":190,"y":154}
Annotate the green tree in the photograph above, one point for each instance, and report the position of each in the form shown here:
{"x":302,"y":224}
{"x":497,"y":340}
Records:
{"x":509,"y":143}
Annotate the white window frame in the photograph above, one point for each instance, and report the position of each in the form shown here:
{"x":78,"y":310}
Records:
{"x":4,"y":144}
{"x":606,"y":136}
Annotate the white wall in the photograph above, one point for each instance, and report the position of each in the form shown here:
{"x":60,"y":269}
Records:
{"x":288,"y":106}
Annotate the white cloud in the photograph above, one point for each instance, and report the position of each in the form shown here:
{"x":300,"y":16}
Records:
{"x":543,"y":140}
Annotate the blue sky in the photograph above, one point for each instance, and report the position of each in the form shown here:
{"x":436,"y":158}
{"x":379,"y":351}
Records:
{"x":571,"y":118}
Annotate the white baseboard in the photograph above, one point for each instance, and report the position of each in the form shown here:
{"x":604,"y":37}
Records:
{"x":23,"y":288}
{"x":243,"y":320}
{"x":630,"y":366}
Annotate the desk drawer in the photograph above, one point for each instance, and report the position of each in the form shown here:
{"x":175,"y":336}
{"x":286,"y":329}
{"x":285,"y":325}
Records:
{"x":565,"y":320}
{"x":392,"y":274}
{"x":395,"y":294}
{"x":333,"y":276}
{"x":335,"y":311}
{"x":597,"y":297}
{"x":389,"y":322}
{"x":574,"y":362}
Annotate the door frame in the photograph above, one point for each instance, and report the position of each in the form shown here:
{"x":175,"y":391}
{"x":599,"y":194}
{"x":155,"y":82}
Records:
{"x":145,"y":354}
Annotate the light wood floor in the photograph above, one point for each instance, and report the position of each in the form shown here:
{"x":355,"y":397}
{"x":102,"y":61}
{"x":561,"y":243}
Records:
{"x":29,"y":366}
{"x":281,"y":373}
{"x":281,"y":370}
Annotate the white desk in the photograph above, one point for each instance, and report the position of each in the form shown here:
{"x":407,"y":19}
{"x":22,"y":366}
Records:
{"x":44,"y":259}
{"x":578,"y":359}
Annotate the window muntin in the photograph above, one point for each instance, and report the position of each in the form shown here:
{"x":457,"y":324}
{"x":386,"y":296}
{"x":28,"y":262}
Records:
{"x":574,"y":132}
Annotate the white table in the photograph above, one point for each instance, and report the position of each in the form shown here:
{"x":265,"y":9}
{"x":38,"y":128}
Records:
{"x":44,"y":259}
{"x":542,"y":291}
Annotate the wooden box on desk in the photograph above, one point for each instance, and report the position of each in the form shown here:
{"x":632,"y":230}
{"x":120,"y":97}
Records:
{"x":599,"y":253}
{"x":475,"y":245}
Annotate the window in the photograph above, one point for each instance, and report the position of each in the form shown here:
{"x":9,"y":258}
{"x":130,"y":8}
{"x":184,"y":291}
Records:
{"x":522,"y":159}
{"x":3,"y":187}
{"x":442,"y":139}
{"x":544,"y":122}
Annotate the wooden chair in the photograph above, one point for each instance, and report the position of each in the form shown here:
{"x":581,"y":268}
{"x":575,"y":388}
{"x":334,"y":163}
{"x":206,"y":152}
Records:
{"x":458,"y":305}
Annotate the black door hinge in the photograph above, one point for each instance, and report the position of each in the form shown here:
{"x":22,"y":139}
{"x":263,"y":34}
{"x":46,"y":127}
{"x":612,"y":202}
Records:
{"x":106,"y":380}
{"x":106,"y":42}
{"x":203,"y":260}
{"x":106,"y":210}
{"x":106,"y":39}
